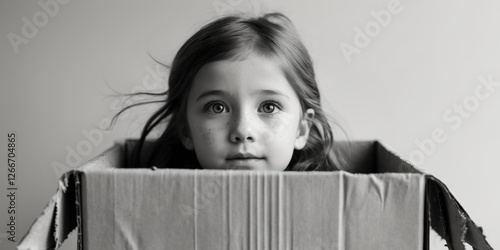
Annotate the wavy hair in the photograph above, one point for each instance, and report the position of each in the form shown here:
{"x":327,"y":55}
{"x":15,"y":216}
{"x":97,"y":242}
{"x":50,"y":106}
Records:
{"x":271,"y":36}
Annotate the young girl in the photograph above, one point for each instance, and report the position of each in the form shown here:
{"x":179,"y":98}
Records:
{"x":242,"y":95}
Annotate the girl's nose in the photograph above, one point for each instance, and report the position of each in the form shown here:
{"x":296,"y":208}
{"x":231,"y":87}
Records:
{"x":242,"y":130}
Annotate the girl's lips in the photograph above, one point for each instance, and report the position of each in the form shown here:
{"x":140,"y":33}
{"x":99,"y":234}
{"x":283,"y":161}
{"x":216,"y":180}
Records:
{"x":244,"y":159}
{"x":244,"y":163}
{"x":244,"y":156}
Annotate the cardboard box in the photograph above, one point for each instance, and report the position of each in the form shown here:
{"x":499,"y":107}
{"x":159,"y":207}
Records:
{"x":388,"y":206}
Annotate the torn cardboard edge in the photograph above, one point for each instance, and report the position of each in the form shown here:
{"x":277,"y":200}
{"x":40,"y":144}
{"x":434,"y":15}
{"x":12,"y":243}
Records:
{"x":53,"y":227}
{"x":447,"y":217}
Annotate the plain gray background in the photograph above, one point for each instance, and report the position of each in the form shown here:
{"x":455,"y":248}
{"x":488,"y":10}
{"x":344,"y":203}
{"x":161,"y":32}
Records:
{"x":404,"y":83}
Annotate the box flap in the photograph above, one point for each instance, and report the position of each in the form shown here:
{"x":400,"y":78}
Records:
{"x":448,"y":218}
{"x":59,"y":217}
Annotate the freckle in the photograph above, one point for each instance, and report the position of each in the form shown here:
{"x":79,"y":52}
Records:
{"x":206,"y":136}
{"x":223,"y":127}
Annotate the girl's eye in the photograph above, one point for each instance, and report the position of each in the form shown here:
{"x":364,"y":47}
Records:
{"x":270,"y":107}
{"x":216,"y":107}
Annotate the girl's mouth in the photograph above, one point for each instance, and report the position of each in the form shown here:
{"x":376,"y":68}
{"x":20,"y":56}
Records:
{"x":243,"y":157}
{"x":244,"y":161}
{"x":248,"y":164}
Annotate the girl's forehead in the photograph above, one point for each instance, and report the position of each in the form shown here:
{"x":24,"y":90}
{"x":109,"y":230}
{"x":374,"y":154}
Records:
{"x":253,"y":74}
{"x":247,"y":66}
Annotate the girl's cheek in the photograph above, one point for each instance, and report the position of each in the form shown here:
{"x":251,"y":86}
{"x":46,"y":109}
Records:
{"x":207,"y":137}
{"x":282,"y":123}
{"x":210,"y":131}
{"x":205,"y":134}
{"x":277,"y":127}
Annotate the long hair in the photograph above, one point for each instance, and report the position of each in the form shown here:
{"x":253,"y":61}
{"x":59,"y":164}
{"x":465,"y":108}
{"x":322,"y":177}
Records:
{"x":271,"y":36}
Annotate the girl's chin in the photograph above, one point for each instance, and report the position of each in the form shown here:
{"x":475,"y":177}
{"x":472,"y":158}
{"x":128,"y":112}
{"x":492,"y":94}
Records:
{"x":246,"y":164}
{"x":253,"y":167}
{"x":242,"y":166}
{"x":252,"y":164}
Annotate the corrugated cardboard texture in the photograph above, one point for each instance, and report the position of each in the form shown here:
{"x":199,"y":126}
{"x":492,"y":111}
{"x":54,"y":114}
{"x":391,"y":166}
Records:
{"x":208,"y":209}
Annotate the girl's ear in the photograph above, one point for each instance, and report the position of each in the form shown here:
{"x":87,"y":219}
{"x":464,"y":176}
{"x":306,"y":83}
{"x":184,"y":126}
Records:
{"x":186,"y":139}
{"x":304,"y":128}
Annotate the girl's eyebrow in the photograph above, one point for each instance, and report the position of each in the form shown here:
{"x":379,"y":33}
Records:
{"x":269,"y":92}
{"x":212,"y":92}
{"x":256,"y":92}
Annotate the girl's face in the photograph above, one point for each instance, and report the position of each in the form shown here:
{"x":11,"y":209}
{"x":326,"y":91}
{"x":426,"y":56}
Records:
{"x":244,"y":115}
